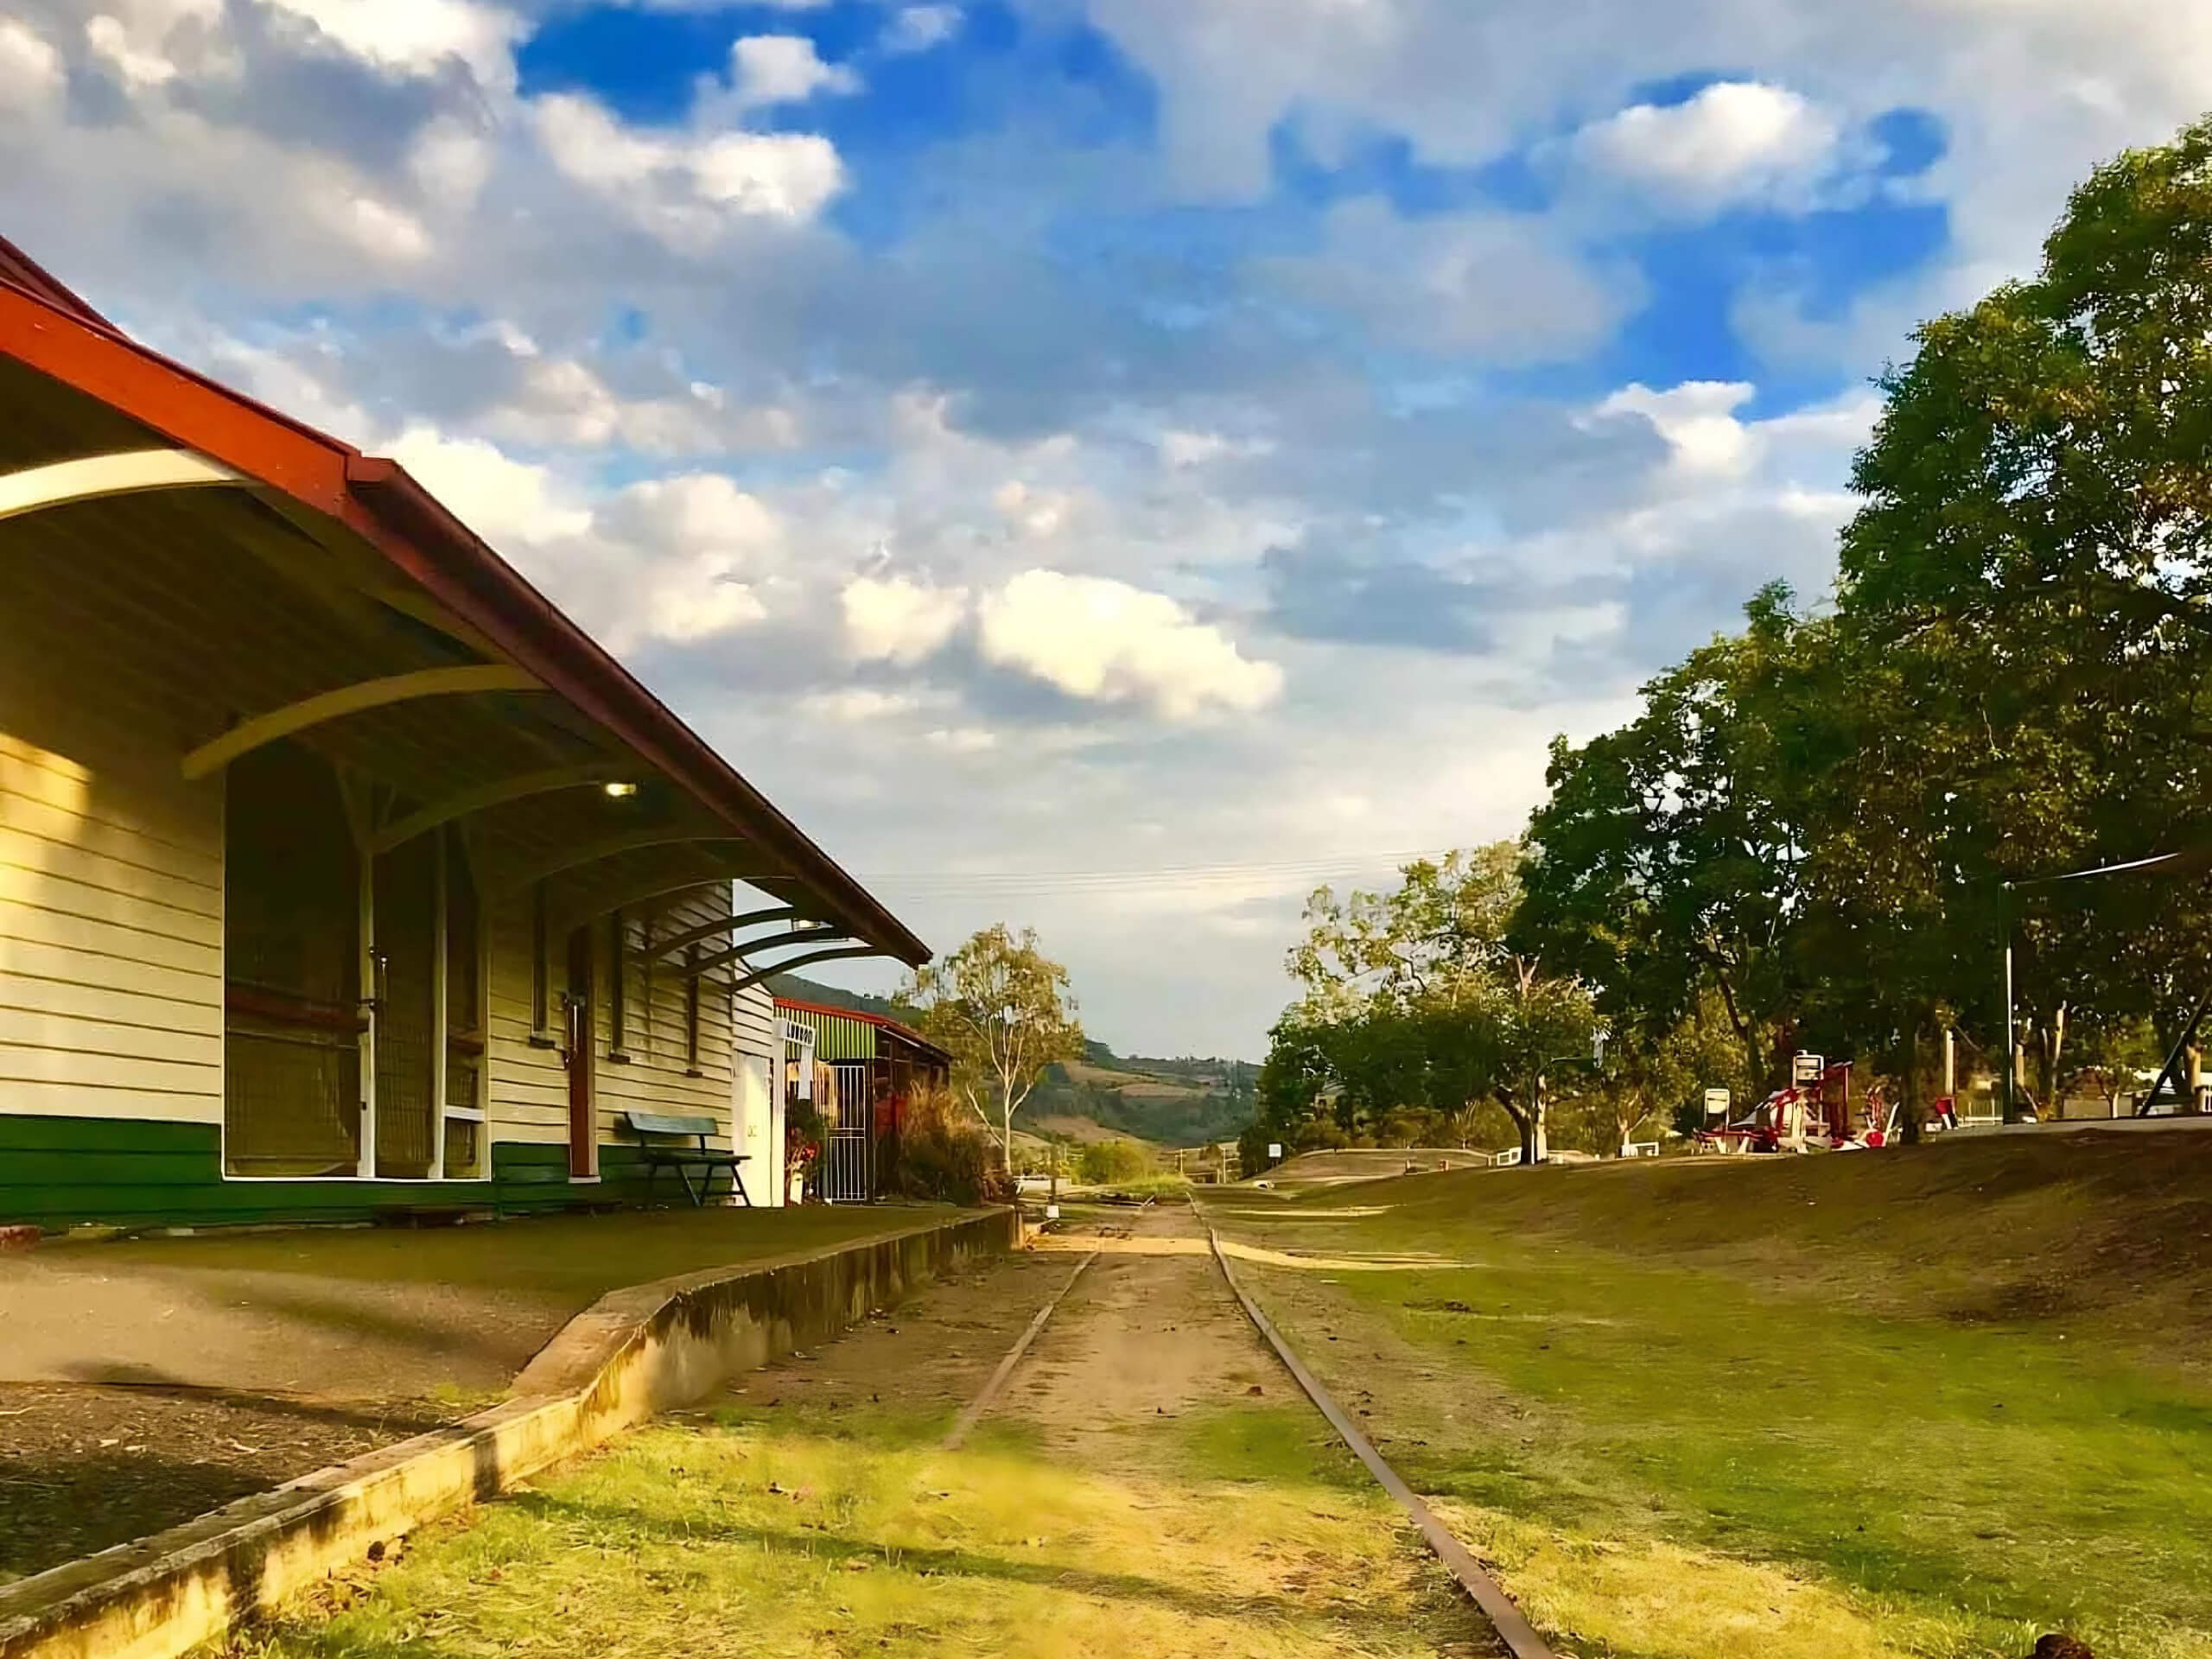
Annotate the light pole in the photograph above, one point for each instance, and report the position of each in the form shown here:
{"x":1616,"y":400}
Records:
{"x":2186,"y":861}
{"x":2011,"y":1043}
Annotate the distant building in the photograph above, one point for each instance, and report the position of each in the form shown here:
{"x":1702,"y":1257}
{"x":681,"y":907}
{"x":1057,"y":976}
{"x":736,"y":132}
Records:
{"x":871,"y":1066}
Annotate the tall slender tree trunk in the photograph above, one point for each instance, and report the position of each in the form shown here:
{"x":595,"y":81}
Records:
{"x":1754,"y":1056}
{"x":1909,"y":1111}
{"x":2050,"y":1045}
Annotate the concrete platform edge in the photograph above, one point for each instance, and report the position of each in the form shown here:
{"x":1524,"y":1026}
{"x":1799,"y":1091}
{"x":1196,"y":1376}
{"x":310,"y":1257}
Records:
{"x":634,"y":1352}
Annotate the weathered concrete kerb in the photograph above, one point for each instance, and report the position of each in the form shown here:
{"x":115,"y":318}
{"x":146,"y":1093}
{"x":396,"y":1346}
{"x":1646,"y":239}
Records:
{"x":631,"y":1354}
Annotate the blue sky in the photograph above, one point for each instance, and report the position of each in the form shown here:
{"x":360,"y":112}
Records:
{"x":1105,"y":464}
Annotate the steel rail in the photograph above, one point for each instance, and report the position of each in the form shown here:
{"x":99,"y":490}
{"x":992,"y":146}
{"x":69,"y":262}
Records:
{"x":982,"y":1402}
{"x":1518,"y":1635}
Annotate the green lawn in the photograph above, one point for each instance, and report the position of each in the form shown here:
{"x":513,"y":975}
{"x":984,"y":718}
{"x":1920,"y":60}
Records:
{"x":1245,"y":1532}
{"x":1700,"y":1412}
{"x":577,"y":1258}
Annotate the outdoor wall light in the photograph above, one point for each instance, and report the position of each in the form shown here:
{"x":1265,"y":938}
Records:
{"x":619,"y":792}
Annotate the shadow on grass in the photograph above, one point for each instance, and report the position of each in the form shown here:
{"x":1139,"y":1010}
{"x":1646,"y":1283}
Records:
{"x":923,"y":1561}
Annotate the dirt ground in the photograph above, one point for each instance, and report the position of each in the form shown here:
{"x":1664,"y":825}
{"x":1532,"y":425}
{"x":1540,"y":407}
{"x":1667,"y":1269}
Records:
{"x":932,"y":1352}
{"x":84,"y":1468}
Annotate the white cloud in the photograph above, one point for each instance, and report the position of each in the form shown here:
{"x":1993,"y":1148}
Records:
{"x":855,"y":705}
{"x":687,"y":612}
{"x":683,"y":560}
{"x":450,"y":162}
{"x":897,"y":620}
{"x":30,"y":69}
{"x":562,"y":403}
{"x":113,"y":41}
{"x":1697,"y":419}
{"x":1106,"y":641}
{"x":1032,"y":513}
{"x":1496,"y":287}
{"x":1181,"y":449}
{"x":503,"y":501}
{"x":768,"y":69}
{"x":376,"y":228}
{"x":917,"y":29}
{"x":1734,"y":141}
{"x":687,"y":188}
{"x":414,"y":37}
{"x":961,"y":739}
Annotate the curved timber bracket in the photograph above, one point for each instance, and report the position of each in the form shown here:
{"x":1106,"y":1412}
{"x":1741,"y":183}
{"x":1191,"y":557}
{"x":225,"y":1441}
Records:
{"x":577,"y":855}
{"x":498,"y":792}
{"x":95,"y":476}
{"x":806,"y":961}
{"x":705,"y":931}
{"x":251,"y":734}
{"x":738,"y":953}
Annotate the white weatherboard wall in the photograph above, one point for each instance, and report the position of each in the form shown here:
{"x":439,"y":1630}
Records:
{"x":529,"y":1084}
{"x":656,"y":1078}
{"x":111,"y":899}
{"x":527,"y":1087}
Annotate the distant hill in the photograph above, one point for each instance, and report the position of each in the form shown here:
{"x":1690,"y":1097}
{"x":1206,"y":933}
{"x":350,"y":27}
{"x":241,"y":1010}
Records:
{"x":1186,"y":1101}
{"x":1179,"y":1103}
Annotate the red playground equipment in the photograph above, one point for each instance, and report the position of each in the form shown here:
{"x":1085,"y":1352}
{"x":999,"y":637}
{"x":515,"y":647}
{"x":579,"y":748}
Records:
{"x":1813,"y":1115}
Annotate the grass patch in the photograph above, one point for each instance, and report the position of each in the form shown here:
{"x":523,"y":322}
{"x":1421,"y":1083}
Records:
{"x":787,"y":1533}
{"x":1660,"y":1416}
{"x":1285,"y":1445}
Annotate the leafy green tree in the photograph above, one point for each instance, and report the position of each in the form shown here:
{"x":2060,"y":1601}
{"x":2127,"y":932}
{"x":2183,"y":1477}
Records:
{"x":1503,"y":1036}
{"x":1670,"y":855}
{"x":1004,"y":1011}
{"x":1418,"y":1014}
{"x":1445,"y":920}
{"x":2039,"y":521}
{"x":1104,"y":1161}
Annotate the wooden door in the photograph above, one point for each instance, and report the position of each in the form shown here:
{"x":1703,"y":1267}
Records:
{"x":577,"y":1055}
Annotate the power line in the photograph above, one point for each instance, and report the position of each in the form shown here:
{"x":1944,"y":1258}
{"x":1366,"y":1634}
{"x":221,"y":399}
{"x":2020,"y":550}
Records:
{"x":2102,"y":869}
{"x":955,"y":881}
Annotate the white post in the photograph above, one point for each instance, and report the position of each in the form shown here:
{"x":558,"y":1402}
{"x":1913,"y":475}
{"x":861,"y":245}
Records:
{"x":439,"y":1057}
{"x":1950,"y":1063}
{"x":365,"y":1165}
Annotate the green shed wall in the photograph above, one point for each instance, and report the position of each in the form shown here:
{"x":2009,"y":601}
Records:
{"x":57,"y":1172}
{"x":835,"y":1038}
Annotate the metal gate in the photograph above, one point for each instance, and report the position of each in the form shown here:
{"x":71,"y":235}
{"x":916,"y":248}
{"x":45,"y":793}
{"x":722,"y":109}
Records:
{"x":846,"y":1175}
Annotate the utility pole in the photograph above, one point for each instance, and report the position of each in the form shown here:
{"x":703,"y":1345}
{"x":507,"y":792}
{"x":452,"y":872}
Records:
{"x":2011,"y":1052}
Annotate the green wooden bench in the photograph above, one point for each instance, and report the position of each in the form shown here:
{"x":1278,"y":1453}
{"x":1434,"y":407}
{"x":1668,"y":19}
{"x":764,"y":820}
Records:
{"x":660,"y":1138}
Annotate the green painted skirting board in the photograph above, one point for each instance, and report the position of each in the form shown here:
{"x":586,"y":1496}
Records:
{"x":61,"y":1172}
